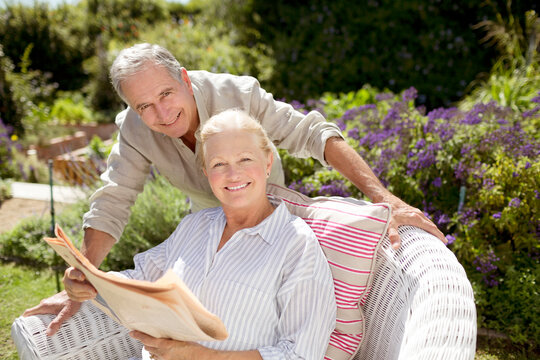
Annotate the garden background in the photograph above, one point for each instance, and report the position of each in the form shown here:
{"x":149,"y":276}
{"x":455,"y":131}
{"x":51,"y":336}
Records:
{"x":440,"y":97}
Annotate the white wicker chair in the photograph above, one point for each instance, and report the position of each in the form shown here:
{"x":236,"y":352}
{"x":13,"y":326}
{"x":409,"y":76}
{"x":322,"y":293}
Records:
{"x":421,"y":306}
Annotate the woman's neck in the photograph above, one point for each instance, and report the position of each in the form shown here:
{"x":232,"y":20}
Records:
{"x":238,"y":219}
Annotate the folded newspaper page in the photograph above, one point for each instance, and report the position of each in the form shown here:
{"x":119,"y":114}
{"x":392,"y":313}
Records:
{"x":165,"y":308}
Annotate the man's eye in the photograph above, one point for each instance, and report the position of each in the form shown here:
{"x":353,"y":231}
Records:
{"x":143,"y":107}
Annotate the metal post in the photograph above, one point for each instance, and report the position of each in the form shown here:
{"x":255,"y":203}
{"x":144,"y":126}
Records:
{"x":57,"y":275}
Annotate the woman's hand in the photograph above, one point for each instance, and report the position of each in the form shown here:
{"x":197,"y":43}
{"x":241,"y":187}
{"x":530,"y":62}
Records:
{"x":165,"y":349}
{"x":60,"y":305}
{"x":77,"y":288}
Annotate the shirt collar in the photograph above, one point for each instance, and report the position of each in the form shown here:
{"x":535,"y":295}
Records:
{"x":267,"y":228}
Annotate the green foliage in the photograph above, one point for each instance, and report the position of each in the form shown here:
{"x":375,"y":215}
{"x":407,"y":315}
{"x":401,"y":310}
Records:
{"x":199,"y":46}
{"x":21,"y":288}
{"x":339,"y":46}
{"x":515,"y":78}
{"x":513,"y":306}
{"x":5,"y":190}
{"x":10,"y":108}
{"x":24,"y":243}
{"x":118,"y":20}
{"x":475,"y":173}
{"x":66,"y":111}
{"x":57,"y":47}
{"x":99,"y":149}
{"x":156,"y":213}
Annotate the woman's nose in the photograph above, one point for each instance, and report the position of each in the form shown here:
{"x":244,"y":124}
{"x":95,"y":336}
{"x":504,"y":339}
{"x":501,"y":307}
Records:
{"x":233,"y":172}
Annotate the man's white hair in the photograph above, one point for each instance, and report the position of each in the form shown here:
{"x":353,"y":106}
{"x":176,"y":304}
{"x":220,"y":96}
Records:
{"x":134,"y":59}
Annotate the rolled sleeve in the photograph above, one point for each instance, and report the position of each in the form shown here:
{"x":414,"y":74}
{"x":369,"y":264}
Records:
{"x":124,"y":179}
{"x":302,"y":135}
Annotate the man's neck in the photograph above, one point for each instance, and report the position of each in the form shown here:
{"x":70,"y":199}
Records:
{"x":190,"y":141}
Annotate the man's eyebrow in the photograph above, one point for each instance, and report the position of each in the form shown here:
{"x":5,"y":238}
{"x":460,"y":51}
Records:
{"x":166,"y":90}
{"x":138,"y":107}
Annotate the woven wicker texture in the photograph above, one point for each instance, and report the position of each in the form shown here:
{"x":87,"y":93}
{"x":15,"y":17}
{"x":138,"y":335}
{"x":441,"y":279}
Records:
{"x":420,"y":306}
{"x":89,"y":334}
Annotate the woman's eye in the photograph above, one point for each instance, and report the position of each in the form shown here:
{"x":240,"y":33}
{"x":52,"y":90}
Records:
{"x":246,"y":159}
{"x":218,"y":164}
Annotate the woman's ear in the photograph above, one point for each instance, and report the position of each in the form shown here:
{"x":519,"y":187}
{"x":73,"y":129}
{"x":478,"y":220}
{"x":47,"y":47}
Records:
{"x":270,"y":162}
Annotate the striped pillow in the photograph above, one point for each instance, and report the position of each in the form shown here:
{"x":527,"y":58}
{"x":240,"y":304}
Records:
{"x":349,"y":232}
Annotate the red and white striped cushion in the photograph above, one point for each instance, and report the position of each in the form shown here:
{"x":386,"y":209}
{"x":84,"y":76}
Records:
{"x":349,"y":234}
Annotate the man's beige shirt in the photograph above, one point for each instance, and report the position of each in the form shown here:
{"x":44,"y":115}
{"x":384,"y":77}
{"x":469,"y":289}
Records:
{"x":138,"y":147}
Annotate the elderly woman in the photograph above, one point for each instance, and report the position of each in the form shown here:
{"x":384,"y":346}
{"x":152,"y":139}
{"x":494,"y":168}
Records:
{"x":250,"y":262}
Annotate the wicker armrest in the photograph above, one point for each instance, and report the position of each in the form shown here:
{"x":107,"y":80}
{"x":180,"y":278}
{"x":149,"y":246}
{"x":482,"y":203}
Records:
{"x":88,"y":335}
{"x":421,"y":305}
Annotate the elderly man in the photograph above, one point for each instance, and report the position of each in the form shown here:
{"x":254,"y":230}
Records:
{"x":166,"y":106}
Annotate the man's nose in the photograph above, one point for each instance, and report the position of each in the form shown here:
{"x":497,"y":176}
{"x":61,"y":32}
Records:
{"x":161,"y":113}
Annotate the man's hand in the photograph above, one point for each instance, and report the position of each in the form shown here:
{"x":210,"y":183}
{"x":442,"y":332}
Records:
{"x":77,"y":288}
{"x":351,"y":165}
{"x":60,"y":305}
{"x":404,"y":214}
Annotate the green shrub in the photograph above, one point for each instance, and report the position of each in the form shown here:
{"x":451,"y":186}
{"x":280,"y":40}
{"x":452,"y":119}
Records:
{"x":58,"y":46}
{"x":66,"y":111}
{"x":24,"y":243}
{"x":339,"y":46}
{"x":10,"y":109}
{"x":515,"y":78}
{"x":5,"y":190}
{"x":98,"y":148}
{"x":198,"y":45}
{"x":155,"y":215}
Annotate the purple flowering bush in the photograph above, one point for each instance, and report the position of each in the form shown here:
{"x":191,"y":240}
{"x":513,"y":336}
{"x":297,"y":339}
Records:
{"x":475,"y":174}
{"x":13,"y":164}
{"x":7,"y":152}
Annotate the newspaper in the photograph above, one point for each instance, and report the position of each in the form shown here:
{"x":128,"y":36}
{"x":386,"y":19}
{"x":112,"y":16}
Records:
{"x":165,"y":308}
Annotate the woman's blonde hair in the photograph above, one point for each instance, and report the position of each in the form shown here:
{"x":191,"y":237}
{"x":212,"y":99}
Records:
{"x":233,"y":119}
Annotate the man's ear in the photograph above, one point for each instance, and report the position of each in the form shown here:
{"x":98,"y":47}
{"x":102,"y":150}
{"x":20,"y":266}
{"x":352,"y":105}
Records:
{"x":186,"y":79}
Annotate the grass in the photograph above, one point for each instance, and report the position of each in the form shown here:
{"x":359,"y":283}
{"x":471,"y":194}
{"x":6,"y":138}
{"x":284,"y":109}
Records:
{"x":23,"y":287}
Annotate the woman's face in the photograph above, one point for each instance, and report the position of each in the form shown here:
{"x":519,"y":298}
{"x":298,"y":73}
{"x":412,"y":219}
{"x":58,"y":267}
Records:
{"x":236,"y":168}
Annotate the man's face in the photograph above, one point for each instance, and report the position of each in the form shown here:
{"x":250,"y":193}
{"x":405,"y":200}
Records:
{"x":164,"y":104}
